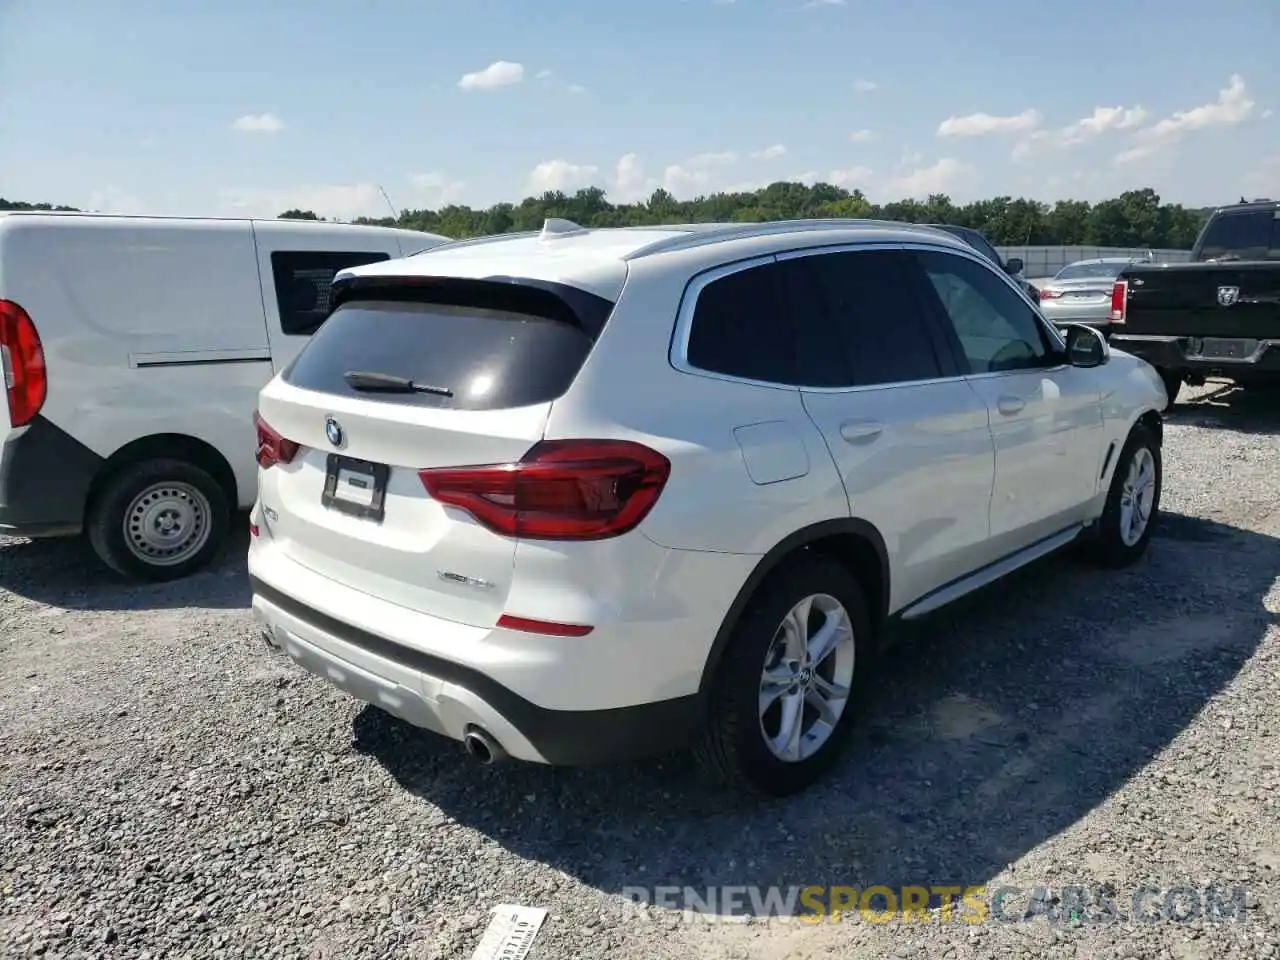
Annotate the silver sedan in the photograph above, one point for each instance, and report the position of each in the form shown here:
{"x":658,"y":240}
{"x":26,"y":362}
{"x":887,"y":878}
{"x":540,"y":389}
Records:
{"x":1081,"y":292}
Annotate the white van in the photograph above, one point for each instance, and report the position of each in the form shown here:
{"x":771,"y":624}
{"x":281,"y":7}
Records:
{"x":133,"y":350}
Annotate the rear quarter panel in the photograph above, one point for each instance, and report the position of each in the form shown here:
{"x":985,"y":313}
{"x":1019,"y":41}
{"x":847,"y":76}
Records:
{"x":709,"y":428}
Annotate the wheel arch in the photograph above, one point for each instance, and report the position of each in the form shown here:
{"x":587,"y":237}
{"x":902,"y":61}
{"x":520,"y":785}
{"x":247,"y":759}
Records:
{"x":172,"y":446}
{"x":853,"y":541}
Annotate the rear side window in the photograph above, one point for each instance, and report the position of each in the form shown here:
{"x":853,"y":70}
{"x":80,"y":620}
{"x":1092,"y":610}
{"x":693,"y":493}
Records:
{"x":868,"y":315}
{"x":1242,"y":236}
{"x":302,"y":280}
{"x":739,"y":329}
{"x":462,"y":357}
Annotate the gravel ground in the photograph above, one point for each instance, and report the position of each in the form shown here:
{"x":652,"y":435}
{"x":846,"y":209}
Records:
{"x":169,"y":789}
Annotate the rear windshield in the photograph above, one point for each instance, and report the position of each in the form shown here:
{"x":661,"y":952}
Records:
{"x":1254,"y":235}
{"x":1082,"y":271}
{"x":486,"y":359}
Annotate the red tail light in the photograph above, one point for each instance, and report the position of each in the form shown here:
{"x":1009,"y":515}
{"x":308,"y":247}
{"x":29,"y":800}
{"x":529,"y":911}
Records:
{"x":1119,"y":301}
{"x":559,"y":490}
{"x":22,"y":359}
{"x":272,"y":448}
{"x":1050,"y":294}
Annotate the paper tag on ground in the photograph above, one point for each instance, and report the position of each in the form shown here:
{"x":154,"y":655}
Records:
{"x":510,"y":933}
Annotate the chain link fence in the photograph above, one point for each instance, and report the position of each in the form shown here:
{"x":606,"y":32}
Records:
{"x":1041,"y":263}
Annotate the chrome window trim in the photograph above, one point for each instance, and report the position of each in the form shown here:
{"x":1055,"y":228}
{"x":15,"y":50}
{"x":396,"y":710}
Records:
{"x":678,"y":353}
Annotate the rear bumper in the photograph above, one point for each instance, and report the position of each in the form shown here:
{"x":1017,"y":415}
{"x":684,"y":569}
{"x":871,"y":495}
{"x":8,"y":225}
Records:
{"x":450,"y":698}
{"x":1180,"y":354}
{"x":45,"y":476}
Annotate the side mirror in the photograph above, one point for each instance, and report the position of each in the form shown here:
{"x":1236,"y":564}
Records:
{"x":1013,"y":265}
{"x":1086,"y":347}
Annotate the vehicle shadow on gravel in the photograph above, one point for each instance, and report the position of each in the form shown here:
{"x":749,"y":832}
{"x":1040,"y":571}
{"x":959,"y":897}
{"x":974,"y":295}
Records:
{"x":1226,"y":406}
{"x":66,"y":573}
{"x":990,"y":729}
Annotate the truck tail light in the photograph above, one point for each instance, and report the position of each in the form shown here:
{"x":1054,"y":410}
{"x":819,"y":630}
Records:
{"x":26,"y":382}
{"x":559,"y":490}
{"x":272,"y":448}
{"x":1119,"y":301}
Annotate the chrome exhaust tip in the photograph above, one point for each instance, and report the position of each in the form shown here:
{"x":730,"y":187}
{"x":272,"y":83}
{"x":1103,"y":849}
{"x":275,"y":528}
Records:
{"x":482,"y":747}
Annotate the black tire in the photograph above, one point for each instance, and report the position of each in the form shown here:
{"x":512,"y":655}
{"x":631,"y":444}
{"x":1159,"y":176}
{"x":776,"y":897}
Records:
{"x":1108,"y":547}
{"x":1172,"y":384}
{"x":734,"y":748}
{"x":105,"y":523}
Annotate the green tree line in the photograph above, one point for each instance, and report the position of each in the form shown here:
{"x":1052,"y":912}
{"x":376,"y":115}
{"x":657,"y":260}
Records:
{"x":1136,"y":218}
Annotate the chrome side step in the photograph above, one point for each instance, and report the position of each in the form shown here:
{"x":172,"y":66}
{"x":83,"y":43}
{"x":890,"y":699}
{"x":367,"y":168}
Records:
{"x":989,"y":574}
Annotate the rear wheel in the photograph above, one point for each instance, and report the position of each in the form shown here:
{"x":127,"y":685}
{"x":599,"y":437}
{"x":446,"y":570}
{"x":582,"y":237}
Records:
{"x":159,"y":520}
{"x":784,"y":698}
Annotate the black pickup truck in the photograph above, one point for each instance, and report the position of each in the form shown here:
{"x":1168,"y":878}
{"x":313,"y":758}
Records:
{"x":1217,"y":316}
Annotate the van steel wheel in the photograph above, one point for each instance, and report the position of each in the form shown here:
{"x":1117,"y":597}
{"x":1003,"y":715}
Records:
{"x":783,"y":698}
{"x":167,"y":523}
{"x":159,"y":520}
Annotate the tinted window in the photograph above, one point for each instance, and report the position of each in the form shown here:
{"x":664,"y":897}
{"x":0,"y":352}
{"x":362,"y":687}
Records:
{"x":302,"y":280}
{"x":739,"y":329}
{"x":488,"y":358}
{"x":1083,"y":271}
{"x":996,"y":327}
{"x":869,"y":318}
{"x":1242,"y":236}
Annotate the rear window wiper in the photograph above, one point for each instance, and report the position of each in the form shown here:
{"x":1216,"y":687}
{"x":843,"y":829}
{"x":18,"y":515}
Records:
{"x":389,"y":383}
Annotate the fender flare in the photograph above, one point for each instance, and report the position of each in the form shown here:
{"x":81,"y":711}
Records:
{"x":798,"y":540}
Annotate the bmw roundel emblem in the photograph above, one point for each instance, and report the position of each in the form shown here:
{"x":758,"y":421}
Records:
{"x":333,"y":430}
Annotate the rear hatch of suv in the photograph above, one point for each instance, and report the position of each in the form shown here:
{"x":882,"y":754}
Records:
{"x":392,"y":441}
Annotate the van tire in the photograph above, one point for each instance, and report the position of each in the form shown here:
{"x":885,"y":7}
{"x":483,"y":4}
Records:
{"x":733,"y":748}
{"x":160,"y":493}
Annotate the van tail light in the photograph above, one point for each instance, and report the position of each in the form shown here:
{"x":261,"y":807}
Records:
{"x":1050,"y":294}
{"x":559,"y":490}
{"x":26,"y":382}
{"x":1119,"y":301}
{"x":272,"y":448}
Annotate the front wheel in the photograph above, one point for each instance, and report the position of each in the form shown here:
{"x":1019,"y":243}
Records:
{"x":1133,"y":502}
{"x":159,"y":520}
{"x":784,"y":697}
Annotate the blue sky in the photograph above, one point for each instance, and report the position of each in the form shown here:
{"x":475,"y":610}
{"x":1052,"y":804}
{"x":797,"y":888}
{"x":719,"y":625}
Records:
{"x":230,"y":107}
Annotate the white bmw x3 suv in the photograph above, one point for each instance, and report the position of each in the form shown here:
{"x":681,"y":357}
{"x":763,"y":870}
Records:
{"x":580,"y":495}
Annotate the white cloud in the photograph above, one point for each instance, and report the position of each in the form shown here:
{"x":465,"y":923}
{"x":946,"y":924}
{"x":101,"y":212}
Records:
{"x":942,"y":177}
{"x":770,"y":153}
{"x":809,"y":177}
{"x":258,"y":123}
{"x":577,"y":88}
{"x":439,"y":189}
{"x":862,"y":136}
{"x":853,"y":177}
{"x":543,"y":74}
{"x":1233,"y":106}
{"x":865,"y":86}
{"x":333,"y":201}
{"x":629,"y":181}
{"x":810,"y":4}
{"x":986,"y":124}
{"x":694,"y":176}
{"x":1266,"y":114}
{"x":1101,"y":121}
{"x":561,"y":175}
{"x":501,"y":73}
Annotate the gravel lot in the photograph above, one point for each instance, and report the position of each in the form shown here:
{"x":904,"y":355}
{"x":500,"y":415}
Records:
{"x":168,"y":789}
